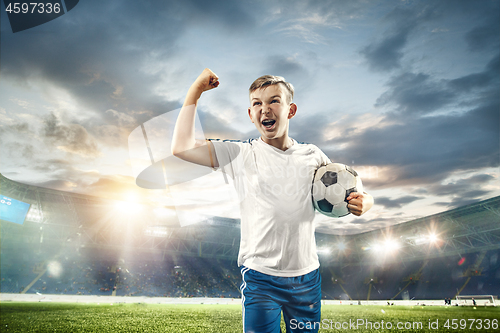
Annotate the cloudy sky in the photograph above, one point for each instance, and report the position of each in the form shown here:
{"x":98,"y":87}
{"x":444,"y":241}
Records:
{"x":407,"y":92}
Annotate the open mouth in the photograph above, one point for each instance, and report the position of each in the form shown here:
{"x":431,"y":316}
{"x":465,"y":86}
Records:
{"x":268,"y":123}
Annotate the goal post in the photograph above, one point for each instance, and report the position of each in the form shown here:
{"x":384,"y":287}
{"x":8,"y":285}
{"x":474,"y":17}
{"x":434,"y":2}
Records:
{"x":483,"y":300}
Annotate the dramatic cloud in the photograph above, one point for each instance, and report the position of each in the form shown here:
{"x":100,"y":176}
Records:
{"x":459,"y":138}
{"x":307,"y":20}
{"x":479,"y":80}
{"x":396,"y":203}
{"x":416,"y":93}
{"x":484,"y":37}
{"x":103,"y":65}
{"x":429,"y":149}
{"x":385,"y":54}
{"x":407,"y":23}
{"x":470,"y":186}
{"x":71,"y":138}
{"x":288,"y":67}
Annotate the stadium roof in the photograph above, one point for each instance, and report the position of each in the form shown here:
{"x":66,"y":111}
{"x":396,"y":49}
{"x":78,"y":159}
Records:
{"x":94,"y":222}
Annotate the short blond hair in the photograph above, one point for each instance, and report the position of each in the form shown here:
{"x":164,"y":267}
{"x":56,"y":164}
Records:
{"x":269,"y":80}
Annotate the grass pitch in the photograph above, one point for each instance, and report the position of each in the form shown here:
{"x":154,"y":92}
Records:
{"x":79,"y":317}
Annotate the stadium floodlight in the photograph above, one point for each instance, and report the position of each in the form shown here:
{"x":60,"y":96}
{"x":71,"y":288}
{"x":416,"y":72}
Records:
{"x":387,"y":246}
{"x":341,"y":246}
{"x":54,"y":268}
{"x":391,"y":245}
{"x":432,"y":238}
{"x":427,"y":239}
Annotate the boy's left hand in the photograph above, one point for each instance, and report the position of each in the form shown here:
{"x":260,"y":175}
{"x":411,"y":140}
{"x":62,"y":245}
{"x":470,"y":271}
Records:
{"x":359,"y":203}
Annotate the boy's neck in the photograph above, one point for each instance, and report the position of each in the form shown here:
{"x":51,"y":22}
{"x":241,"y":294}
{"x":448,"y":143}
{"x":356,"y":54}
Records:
{"x":281,"y":143}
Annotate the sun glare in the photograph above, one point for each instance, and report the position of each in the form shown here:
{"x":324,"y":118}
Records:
{"x":126,"y":207}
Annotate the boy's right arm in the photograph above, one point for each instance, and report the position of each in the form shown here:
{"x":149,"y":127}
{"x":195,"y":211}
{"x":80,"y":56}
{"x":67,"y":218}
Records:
{"x":184,"y":144}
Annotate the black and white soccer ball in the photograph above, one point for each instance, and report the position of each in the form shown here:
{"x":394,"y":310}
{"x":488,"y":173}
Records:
{"x":331,"y":186}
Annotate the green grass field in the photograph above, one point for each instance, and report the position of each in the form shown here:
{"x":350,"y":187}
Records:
{"x":78,"y":317}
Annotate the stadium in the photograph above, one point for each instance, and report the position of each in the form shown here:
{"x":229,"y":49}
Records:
{"x":68,"y":248}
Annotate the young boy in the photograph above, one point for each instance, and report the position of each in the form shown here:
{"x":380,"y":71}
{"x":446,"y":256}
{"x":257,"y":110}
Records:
{"x":273,"y":177}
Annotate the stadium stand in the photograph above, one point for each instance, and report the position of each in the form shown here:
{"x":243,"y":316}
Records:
{"x":74,"y":244}
{"x":440,"y":278}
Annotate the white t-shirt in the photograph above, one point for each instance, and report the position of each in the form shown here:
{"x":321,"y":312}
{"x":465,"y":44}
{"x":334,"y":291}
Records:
{"x":274,"y":189}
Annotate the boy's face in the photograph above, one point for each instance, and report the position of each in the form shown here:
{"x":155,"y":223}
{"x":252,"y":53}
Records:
{"x":270,"y":111}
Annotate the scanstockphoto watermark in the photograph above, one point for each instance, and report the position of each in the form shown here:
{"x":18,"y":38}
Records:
{"x":363,"y":324}
{"x":357,"y":324}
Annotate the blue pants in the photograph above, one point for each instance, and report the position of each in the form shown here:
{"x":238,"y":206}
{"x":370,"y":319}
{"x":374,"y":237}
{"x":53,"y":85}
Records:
{"x":264,"y":297}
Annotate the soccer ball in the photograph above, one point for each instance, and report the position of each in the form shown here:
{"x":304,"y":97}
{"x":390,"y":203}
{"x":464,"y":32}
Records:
{"x":331,"y":186}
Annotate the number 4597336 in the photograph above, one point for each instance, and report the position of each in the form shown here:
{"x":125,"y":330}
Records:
{"x":455,"y":324}
{"x":33,"y":7}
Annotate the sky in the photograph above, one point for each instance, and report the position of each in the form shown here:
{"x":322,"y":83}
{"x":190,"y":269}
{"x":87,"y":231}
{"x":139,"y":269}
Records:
{"x":406,"y":92}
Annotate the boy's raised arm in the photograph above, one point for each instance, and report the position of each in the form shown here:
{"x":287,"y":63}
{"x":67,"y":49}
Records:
{"x":184,"y":144}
